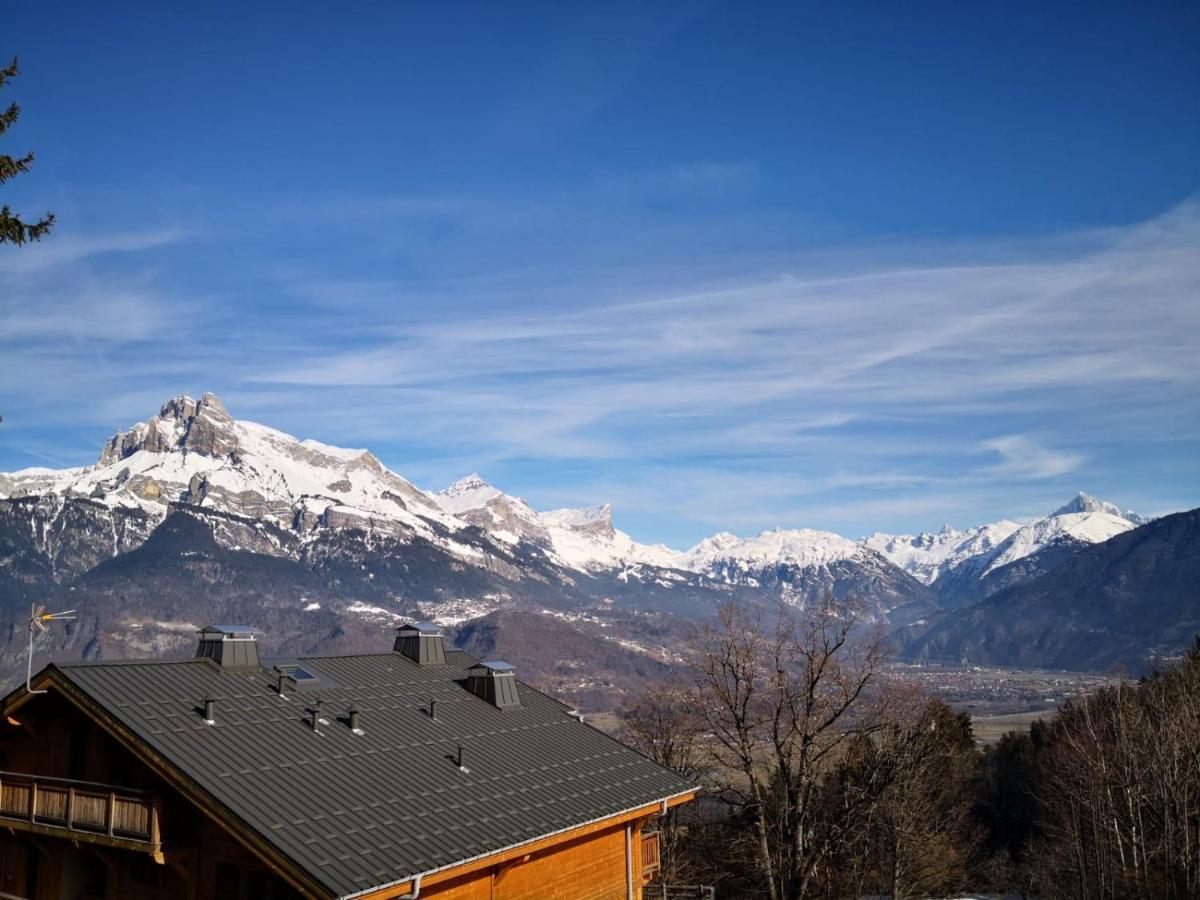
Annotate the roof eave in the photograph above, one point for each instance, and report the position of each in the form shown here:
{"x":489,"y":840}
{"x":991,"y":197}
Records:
{"x":450,"y":869}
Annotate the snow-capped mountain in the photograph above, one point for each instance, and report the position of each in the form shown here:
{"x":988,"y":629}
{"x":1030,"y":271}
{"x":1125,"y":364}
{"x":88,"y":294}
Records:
{"x":797,"y":547}
{"x":194,"y":452}
{"x":193,"y":515}
{"x":976,"y":552}
{"x":1084,"y":520}
{"x":927,"y":555}
{"x":509,"y":519}
{"x":582,"y":539}
{"x":1086,"y":503}
{"x":802,"y":563}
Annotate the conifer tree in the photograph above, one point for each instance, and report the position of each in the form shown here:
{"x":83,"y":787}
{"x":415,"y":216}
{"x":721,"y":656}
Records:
{"x":12,"y":229}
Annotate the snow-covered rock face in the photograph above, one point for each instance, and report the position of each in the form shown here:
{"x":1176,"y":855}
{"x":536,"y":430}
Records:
{"x":1084,"y":519}
{"x":801,"y":548}
{"x":509,"y":519}
{"x":576,"y":538}
{"x":1086,"y":503}
{"x":1091,"y":527}
{"x":927,"y":555}
{"x":195,"y":452}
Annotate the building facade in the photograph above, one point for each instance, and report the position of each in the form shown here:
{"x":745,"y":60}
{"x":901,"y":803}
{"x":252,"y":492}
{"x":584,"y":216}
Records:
{"x":419,"y":772}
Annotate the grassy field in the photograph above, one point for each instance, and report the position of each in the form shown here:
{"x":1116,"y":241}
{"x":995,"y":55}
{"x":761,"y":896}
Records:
{"x":989,"y":729}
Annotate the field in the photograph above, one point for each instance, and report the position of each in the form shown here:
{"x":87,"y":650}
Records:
{"x":989,"y":729}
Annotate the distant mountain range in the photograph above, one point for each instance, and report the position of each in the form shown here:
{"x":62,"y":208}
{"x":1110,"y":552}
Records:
{"x":193,"y":516}
{"x":1122,"y":602}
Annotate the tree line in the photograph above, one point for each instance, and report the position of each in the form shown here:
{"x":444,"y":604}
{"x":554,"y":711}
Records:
{"x":825,"y":777}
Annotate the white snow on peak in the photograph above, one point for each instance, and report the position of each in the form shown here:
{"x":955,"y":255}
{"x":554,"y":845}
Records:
{"x":466,"y":494}
{"x":1086,"y":527}
{"x":928,"y":555}
{"x":581,"y":519}
{"x":576,"y":538}
{"x":801,"y":547}
{"x":195,"y":452}
{"x":1086,"y":503}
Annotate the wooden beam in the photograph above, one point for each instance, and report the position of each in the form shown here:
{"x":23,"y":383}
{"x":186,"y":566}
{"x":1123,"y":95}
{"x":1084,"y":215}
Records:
{"x":82,"y":838}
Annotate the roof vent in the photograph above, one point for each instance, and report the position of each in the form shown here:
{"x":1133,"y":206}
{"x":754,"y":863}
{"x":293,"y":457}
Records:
{"x":421,"y":642}
{"x":496,"y":682}
{"x":229,"y":646}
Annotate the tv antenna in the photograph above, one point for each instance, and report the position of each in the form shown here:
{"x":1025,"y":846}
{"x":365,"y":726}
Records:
{"x":38,"y":617}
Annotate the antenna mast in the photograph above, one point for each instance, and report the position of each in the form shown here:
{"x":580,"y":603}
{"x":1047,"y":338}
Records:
{"x":38,"y":617}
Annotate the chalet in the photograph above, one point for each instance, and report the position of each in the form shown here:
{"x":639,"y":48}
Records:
{"x":416,"y":773}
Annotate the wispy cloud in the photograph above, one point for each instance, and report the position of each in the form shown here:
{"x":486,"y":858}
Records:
{"x":797,"y":394}
{"x":68,"y":248}
{"x":1023,"y":457}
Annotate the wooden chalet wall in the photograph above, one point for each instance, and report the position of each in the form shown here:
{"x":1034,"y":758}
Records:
{"x":200,"y":859}
{"x":587,"y":868}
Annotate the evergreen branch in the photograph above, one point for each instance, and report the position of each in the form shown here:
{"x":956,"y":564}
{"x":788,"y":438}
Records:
{"x":9,"y":116}
{"x":10,"y":167}
{"x":15,"y":231}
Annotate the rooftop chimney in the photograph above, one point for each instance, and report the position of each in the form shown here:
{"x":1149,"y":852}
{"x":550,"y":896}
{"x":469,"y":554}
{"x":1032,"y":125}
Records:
{"x":229,"y":646}
{"x":421,"y":642}
{"x":496,"y":682}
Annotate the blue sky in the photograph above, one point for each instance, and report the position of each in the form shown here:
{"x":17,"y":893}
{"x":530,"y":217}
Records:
{"x":864,"y":266}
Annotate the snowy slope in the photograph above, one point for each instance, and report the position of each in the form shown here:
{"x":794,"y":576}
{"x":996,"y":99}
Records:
{"x":978,"y":551}
{"x":927,"y":555}
{"x":583,"y":539}
{"x":195,"y":452}
{"x":1091,"y":527}
{"x":801,"y":548}
{"x":509,"y":519}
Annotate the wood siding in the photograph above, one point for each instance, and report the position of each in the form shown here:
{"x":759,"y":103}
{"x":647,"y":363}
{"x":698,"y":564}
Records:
{"x":591,"y":867}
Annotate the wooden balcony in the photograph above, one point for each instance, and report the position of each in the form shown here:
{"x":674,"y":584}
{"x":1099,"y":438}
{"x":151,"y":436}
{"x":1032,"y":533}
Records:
{"x":81,"y":810}
{"x":651,"y":855}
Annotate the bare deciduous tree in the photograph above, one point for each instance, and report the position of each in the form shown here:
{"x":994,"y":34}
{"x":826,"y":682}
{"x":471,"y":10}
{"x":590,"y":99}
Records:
{"x":1121,"y":791}
{"x":780,"y":700}
{"x":664,"y":725}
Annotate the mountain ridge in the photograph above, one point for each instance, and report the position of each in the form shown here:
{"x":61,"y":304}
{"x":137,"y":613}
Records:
{"x":193,"y":515}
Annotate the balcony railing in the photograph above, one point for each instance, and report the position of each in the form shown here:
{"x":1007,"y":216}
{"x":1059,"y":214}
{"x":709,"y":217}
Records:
{"x":651,"y":855}
{"x":108,"y":814}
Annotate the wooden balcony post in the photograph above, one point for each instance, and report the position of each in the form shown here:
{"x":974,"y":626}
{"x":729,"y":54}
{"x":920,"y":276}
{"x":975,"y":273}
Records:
{"x":32,"y":800}
{"x":112,"y":811}
{"x":155,"y":828}
{"x":70,"y":808}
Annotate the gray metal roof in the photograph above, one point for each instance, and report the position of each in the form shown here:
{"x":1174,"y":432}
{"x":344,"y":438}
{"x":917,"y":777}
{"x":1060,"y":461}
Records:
{"x":359,"y":811}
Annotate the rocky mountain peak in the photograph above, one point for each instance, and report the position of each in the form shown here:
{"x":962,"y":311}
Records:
{"x":472,"y":482}
{"x":203,"y":427}
{"x":179,"y":408}
{"x":595,"y":521}
{"x":1086,"y":503}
